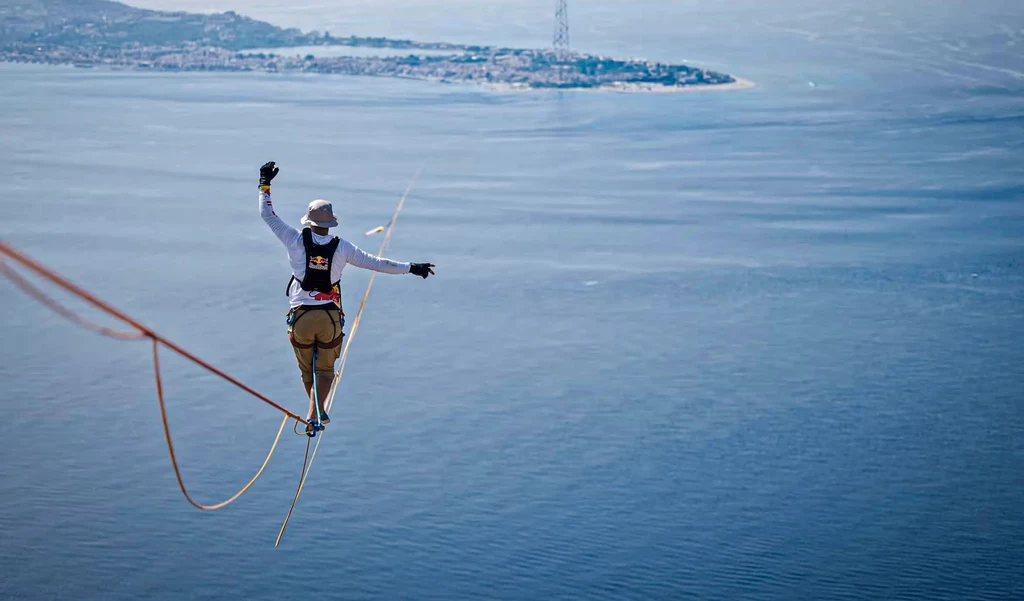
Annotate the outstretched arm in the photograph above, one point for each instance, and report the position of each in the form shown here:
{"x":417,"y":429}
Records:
{"x":362,"y":259}
{"x":284,"y":232}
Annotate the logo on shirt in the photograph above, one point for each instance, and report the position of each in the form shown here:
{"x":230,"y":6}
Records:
{"x":334,"y":296}
{"x":319,"y":263}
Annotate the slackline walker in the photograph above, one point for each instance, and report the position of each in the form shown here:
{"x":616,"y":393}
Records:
{"x":315,"y":318}
{"x":321,"y":390}
{"x":322,"y":397}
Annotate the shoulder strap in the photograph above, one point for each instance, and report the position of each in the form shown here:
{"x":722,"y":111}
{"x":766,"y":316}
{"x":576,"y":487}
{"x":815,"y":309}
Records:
{"x":307,"y":241}
{"x":332,"y":246}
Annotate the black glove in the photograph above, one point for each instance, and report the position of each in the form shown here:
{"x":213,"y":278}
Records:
{"x":267,"y":173}
{"x":421,"y":269}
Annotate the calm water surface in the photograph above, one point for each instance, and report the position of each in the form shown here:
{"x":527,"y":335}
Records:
{"x":749,"y":345}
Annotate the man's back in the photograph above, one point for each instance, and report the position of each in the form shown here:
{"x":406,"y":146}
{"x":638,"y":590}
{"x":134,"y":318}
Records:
{"x":347,"y":253}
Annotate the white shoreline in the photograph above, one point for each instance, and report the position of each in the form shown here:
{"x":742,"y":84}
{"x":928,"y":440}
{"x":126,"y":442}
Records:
{"x":630,"y":88}
{"x":618,"y":87}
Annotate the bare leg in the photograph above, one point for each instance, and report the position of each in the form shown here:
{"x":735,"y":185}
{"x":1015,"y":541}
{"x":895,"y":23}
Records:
{"x":323,"y":387}
{"x":312,"y":408}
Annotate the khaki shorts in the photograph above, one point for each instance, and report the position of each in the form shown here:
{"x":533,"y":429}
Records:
{"x":319,"y":330}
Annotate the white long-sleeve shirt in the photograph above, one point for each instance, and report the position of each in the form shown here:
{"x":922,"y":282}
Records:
{"x":347,"y":253}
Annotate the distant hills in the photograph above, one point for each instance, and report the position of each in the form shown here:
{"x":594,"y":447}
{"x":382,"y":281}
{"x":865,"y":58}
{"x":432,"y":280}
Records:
{"x":91,"y":23}
{"x":90,"y":33}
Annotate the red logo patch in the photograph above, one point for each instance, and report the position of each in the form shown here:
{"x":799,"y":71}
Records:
{"x":318,"y":263}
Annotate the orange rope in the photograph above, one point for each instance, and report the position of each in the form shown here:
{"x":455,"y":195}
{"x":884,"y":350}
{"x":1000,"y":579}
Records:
{"x":142,"y":332}
{"x":40,"y":296}
{"x":170,"y":444}
{"x":306,"y":466}
{"x":50,"y":275}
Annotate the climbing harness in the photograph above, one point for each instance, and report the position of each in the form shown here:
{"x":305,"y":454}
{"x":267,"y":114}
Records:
{"x":293,"y":315}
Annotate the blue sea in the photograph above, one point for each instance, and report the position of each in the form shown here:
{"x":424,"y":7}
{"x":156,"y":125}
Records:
{"x":760,"y":344}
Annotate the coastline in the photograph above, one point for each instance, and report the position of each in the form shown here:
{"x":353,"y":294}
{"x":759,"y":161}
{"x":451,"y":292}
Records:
{"x":143,"y":40}
{"x":628,"y":87}
{"x":619,"y":87}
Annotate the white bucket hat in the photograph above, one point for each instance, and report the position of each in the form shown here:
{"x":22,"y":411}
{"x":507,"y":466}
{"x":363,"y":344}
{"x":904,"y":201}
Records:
{"x":320,"y":214}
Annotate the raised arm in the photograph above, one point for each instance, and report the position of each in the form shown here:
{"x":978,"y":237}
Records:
{"x":288,"y":235}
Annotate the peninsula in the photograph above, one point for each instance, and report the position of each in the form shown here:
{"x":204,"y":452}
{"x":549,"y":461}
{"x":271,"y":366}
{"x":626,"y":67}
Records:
{"x":89,"y":33}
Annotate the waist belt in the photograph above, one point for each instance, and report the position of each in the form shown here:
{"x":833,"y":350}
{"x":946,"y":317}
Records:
{"x":321,"y":307}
